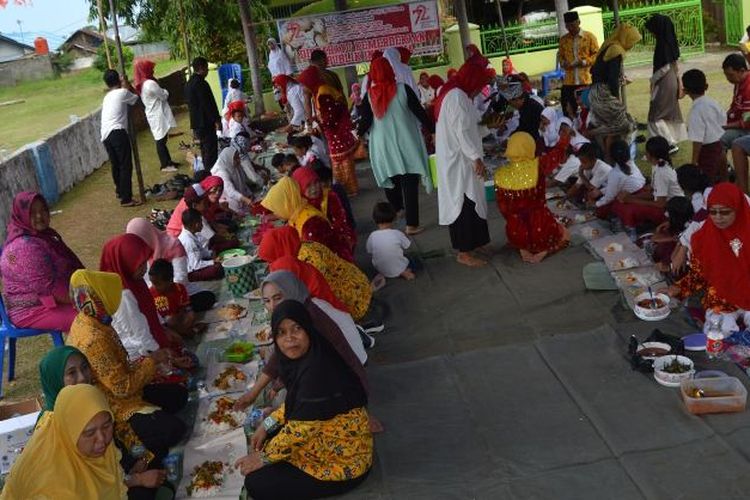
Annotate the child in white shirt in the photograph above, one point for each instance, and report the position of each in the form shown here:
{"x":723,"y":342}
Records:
{"x":592,"y":175}
{"x":387,"y":245}
{"x":200,"y":259}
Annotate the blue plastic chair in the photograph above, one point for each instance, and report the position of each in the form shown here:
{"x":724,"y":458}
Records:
{"x":557,"y":74}
{"x":11,"y":333}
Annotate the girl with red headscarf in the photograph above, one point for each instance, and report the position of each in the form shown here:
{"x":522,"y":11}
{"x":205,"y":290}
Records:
{"x":236,"y":119}
{"x":720,"y":258}
{"x":325,"y":200}
{"x":292,"y":99}
{"x":282,"y":247}
{"x":333,"y":117}
{"x":136,"y":320}
{"x":158,"y":113}
{"x":458,"y":145}
{"x":279,"y":247}
{"x":391,"y":112}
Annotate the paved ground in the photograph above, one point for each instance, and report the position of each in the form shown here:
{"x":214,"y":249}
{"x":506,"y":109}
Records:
{"x":511,"y":382}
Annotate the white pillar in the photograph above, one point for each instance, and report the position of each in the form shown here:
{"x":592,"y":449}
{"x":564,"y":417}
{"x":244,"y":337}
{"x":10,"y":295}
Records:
{"x":561,"y":7}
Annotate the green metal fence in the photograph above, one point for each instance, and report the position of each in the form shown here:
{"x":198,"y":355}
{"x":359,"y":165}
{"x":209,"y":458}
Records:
{"x":521,"y":38}
{"x":733,"y":27}
{"x":687,"y":16}
{"x":532,"y":37}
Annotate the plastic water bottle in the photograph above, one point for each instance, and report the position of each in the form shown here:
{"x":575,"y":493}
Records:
{"x":714,"y":338}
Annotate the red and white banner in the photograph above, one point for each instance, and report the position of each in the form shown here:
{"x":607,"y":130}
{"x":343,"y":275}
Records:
{"x":350,"y":37}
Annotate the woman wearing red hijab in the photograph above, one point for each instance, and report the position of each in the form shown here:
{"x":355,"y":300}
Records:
{"x":158,"y":113}
{"x":332,"y":114}
{"x":292,"y":100}
{"x":462,"y":205}
{"x":136,"y":320}
{"x":391,"y":112}
{"x":720,"y":257}
{"x":279,"y":247}
{"x":327,"y":201}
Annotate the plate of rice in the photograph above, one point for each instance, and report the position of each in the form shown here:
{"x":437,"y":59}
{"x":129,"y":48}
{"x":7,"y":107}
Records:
{"x":220,"y":416}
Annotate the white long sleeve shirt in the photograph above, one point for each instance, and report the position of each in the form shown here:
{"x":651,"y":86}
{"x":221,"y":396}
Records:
{"x":618,"y":181}
{"x":158,"y":113}
{"x":458,"y":143}
{"x":132,"y":327}
{"x":196,"y":248}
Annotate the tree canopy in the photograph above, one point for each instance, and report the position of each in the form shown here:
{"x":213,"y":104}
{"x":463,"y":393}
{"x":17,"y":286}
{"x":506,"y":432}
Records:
{"x":213,"y":26}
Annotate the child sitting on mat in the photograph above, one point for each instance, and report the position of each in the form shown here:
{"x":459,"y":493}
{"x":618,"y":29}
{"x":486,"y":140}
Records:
{"x":171,"y":300}
{"x":200,"y":259}
{"x":387,"y":245}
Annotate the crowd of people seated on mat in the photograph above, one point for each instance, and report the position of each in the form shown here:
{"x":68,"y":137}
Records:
{"x":118,"y":384}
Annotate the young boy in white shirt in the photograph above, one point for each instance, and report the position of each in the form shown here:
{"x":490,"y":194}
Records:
{"x":592,"y":175}
{"x":114,"y":135}
{"x":706,"y":122}
{"x":387,"y":245}
{"x":200,"y":259}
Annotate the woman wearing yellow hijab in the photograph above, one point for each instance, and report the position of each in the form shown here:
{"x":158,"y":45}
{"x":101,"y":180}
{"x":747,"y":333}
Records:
{"x":71,"y":455}
{"x":610,"y":116}
{"x":140,"y":408}
{"x":285,"y":200}
{"x":519,"y":190}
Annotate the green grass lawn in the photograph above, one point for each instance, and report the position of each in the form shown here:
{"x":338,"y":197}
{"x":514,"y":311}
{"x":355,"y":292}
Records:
{"x":91,"y":214}
{"x":49,"y":104}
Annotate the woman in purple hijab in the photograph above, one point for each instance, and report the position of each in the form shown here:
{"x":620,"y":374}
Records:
{"x":36,"y":266}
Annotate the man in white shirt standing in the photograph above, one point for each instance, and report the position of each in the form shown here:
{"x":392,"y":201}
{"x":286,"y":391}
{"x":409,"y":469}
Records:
{"x":114,"y":135}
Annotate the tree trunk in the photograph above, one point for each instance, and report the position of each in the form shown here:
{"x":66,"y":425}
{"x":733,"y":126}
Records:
{"x":561,"y":7}
{"x":463,"y":26}
{"x":103,"y":30}
{"x":350,"y":72}
{"x":185,"y":45}
{"x":252,"y":56}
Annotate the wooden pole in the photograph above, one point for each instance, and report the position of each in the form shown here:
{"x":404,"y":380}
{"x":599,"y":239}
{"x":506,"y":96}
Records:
{"x":463,"y":25}
{"x":103,"y":30}
{"x":252,"y":56}
{"x":131,"y":128}
{"x":185,"y":44}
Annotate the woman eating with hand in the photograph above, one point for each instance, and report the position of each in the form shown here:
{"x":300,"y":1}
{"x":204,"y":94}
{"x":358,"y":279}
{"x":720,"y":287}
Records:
{"x":65,"y":366}
{"x":36,"y":265}
{"x":318,"y":443}
{"x":135,"y":320}
{"x":143,"y":411}
{"x":71,"y":455}
{"x":335,"y":325}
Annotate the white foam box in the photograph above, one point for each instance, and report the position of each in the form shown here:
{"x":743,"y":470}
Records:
{"x":17,"y":421}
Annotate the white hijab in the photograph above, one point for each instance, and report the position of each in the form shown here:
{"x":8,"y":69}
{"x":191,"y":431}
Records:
{"x":551,"y":132}
{"x":278,"y":62}
{"x":402,"y":71}
{"x":224,"y":168}
{"x":577,"y":139}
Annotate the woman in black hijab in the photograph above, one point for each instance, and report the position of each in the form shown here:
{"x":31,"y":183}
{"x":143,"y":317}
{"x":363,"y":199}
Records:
{"x":664,"y":115}
{"x":321,"y":444}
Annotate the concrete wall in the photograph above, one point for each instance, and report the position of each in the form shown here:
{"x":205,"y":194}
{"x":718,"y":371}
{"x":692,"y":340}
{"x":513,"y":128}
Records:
{"x":76,"y":151}
{"x":28,"y":68}
{"x":58,"y":163}
{"x":17,"y":173}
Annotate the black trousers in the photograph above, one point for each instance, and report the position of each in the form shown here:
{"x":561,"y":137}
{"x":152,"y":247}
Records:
{"x":469,"y":231}
{"x":283,"y":481}
{"x":161,"y":430}
{"x":162,"y":151}
{"x":117,"y":145}
{"x":209,"y":146}
{"x":404,"y":195}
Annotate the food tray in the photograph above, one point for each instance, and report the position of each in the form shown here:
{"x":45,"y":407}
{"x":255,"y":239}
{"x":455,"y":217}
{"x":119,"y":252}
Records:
{"x":589,"y":231}
{"x":249,"y":370}
{"x":733,"y":395}
{"x":227,"y":448}
{"x":203,"y":427}
{"x":239,"y":352}
{"x":215,"y":315}
{"x":639,"y":277}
